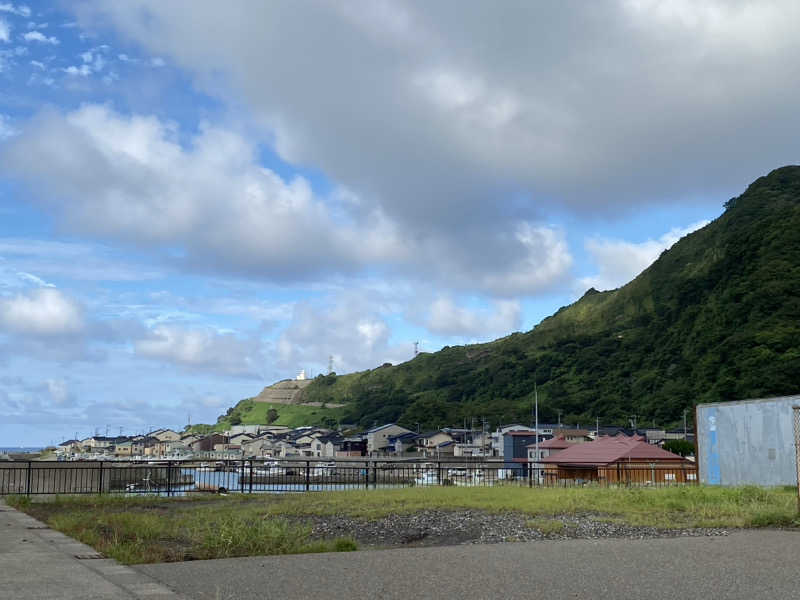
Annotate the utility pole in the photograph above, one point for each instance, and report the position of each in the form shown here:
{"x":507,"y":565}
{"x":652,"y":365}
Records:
{"x":416,"y":349}
{"x":684,"y":424}
{"x":330,"y":364}
{"x":559,"y":417}
{"x":596,"y":427}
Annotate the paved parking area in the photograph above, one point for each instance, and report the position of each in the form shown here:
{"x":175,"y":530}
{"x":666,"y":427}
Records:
{"x":39,"y":563}
{"x":744,"y":565}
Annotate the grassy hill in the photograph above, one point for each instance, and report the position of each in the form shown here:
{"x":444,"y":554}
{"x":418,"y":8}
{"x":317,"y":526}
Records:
{"x":716,"y":317}
{"x":251,"y":412}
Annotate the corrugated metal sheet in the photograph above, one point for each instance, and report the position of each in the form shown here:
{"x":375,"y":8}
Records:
{"x":747,"y":442}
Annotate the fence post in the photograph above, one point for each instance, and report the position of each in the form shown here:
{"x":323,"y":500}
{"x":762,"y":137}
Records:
{"x":374,"y":475}
{"x":100,"y":483}
{"x":28,"y":485}
{"x":250,"y":487}
{"x":241,"y":479}
{"x":169,"y":478}
{"x":796,"y":412}
{"x":366,"y":475}
{"x":308,"y":475}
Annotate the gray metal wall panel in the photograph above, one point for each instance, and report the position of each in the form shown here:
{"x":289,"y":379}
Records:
{"x":747,"y":442}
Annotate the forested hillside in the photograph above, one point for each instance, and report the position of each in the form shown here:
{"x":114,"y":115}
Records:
{"x":716,"y":317}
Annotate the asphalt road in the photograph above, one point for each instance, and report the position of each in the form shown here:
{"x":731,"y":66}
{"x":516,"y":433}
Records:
{"x":745,"y":565}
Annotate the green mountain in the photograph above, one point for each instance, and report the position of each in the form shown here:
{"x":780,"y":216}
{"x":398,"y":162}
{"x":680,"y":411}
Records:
{"x":716,"y":317}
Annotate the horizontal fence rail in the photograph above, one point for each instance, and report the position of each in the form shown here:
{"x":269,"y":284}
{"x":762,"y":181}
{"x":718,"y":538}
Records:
{"x":177,"y":478}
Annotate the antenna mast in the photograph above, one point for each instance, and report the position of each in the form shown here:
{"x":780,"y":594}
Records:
{"x":416,"y":349}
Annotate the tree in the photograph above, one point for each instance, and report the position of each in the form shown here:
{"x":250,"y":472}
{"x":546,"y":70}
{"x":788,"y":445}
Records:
{"x":679,"y":447}
{"x":272,"y":416}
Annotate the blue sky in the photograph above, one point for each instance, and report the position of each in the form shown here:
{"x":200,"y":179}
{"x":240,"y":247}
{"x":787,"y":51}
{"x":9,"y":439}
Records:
{"x":198,"y":199}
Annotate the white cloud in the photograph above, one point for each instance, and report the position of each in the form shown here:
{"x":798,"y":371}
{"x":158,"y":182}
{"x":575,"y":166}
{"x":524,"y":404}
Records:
{"x":619,"y":261}
{"x":447,"y":318}
{"x":128,"y":178}
{"x":44,"y":312}
{"x":422,"y":108}
{"x":20,"y":10}
{"x":37,"y":64}
{"x":38,"y":36}
{"x":350,"y":327}
{"x":83,"y":70}
{"x":203,"y":349}
{"x":5,"y":31}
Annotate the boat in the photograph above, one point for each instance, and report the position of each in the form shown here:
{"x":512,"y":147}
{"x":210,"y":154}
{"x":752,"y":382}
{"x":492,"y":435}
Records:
{"x":427,"y":477}
{"x":272,"y":467}
{"x":324,"y":470}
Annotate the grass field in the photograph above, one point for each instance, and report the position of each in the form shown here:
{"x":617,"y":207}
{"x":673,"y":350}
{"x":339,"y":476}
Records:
{"x":156,"y":529}
{"x":289,"y":415}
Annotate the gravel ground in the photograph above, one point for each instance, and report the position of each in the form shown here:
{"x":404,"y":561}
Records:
{"x":445,"y":528}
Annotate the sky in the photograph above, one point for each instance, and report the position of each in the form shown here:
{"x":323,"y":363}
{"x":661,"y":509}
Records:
{"x":198,"y":199}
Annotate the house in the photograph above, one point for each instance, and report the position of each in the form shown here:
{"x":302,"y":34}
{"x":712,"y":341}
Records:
{"x":207,"y":443}
{"x":497,"y":437}
{"x":573,"y":435}
{"x":165,"y":435}
{"x":352,"y":446}
{"x":263,"y":445}
{"x":563,"y":440}
{"x":515,"y":449}
{"x":70,"y":447}
{"x":618,"y":459}
{"x":237,"y":429}
{"x":378,"y":437}
{"x":404,"y":442}
{"x":240,"y":438}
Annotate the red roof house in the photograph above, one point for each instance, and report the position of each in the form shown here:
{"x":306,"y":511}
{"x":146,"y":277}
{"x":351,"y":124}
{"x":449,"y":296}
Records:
{"x":619,"y":459}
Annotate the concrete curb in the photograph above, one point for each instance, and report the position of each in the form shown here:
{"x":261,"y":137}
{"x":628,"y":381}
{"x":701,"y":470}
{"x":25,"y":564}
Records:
{"x":29,"y":548}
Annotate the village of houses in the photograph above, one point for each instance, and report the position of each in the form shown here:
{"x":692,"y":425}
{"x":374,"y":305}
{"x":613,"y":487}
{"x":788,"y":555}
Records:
{"x":564,"y":452}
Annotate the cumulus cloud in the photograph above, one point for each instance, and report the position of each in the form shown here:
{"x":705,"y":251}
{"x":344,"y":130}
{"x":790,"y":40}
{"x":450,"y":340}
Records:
{"x":129,"y":178}
{"x":20,"y":10}
{"x":5,"y":31}
{"x":350,"y":327}
{"x":203,"y":349}
{"x":38,"y":36}
{"x":424,"y":107}
{"x":447,"y":318}
{"x":619,"y":261}
{"x":45,"y":312}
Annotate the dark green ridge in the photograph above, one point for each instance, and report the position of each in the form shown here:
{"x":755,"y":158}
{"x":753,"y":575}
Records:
{"x":715,"y":318}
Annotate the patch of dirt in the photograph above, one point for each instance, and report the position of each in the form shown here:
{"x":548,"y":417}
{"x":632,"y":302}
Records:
{"x":445,"y":528}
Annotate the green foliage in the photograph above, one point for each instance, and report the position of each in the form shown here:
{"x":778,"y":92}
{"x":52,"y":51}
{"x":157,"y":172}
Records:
{"x":679,"y":447}
{"x":716,"y":317}
{"x":250,"y":412}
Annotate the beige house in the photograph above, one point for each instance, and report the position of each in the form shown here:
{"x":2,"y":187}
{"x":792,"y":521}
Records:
{"x":378,"y":437}
{"x":166,"y":435}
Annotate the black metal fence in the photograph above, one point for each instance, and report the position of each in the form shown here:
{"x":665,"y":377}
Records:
{"x":171,"y":478}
